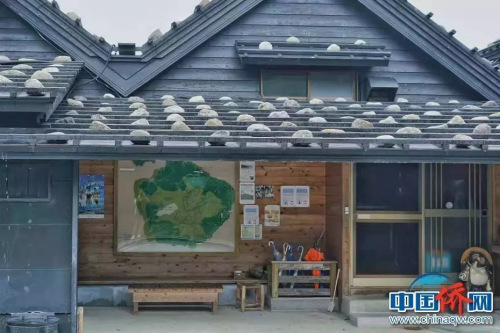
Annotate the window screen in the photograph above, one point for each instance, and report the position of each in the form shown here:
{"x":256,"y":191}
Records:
{"x":332,"y":85}
{"x":387,"y":187}
{"x":287,"y":85}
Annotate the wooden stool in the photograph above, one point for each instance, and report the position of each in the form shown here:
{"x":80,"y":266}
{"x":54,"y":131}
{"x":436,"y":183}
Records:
{"x":257,"y":304}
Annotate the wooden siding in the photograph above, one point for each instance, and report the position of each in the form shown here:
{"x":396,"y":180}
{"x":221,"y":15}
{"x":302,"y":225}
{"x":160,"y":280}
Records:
{"x":19,"y":40}
{"x":215,"y":70}
{"x":98,"y":263}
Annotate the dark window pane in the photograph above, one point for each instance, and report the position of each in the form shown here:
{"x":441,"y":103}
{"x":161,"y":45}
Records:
{"x":24,"y":181}
{"x":387,"y":187}
{"x":332,"y":85}
{"x":287,"y":85}
{"x":387,"y":248}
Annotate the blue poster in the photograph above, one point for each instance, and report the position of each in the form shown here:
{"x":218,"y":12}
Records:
{"x":91,"y":197}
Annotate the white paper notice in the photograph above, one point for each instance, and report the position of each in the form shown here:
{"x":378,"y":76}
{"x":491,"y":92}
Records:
{"x":247,"y":171}
{"x":288,"y":196}
{"x":302,"y":196}
{"x":251,"y":215}
{"x":247,"y":193}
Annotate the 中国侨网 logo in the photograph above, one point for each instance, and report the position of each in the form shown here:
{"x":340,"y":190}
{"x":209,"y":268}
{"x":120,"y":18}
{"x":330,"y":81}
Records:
{"x":454,"y":298}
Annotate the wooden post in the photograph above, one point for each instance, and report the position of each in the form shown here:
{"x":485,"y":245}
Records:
{"x":215,"y":304}
{"x":275,"y":282}
{"x":80,"y":319}
{"x":136,"y":307}
{"x":262,"y":298}
{"x":243,"y":298}
{"x":333,"y":277}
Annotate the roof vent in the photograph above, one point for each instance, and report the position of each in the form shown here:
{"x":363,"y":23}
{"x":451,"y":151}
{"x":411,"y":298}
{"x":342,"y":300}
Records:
{"x":126,"y":49}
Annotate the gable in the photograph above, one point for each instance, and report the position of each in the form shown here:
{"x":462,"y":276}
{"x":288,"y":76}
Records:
{"x":215,"y":70}
{"x":213,"y":18}
{"x":18,"y":39}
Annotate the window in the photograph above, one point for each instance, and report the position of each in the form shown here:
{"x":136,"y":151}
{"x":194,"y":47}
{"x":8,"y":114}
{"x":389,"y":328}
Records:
{"x":309,"y":85}
{"x":387,"y":187}
{"x":21,"y":181}
{"x":387,"y":248}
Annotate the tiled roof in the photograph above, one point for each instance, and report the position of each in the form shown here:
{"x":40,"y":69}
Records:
{"x":18,"y":90}
{"x":333,"y":127}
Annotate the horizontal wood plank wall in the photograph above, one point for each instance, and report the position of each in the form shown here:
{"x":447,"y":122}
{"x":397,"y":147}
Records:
{"x":215,"y":70}
{"x":19,"y":40}
{"x":97,"y":261}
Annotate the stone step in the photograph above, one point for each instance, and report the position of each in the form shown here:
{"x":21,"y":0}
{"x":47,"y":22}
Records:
{"x":301,"y":304}
{"x":364,"y":304}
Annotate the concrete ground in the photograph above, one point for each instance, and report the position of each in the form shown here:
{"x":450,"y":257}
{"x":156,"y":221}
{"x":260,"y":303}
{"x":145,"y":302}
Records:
{"x":108,"y":320}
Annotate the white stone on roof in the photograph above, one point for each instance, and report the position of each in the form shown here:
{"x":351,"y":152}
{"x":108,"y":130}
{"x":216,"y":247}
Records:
{"x":369,"y":113}
{"x":306,"y":111}
{"x":207,"y":113}
{"x":411,"y":116}
{"x":175,"y":117}
{"x":245,"y":118}
{"x":265,"y":46}
{"x":105,"y":109}
{"x":278,"y":114}
{"x":409,"y":130}
{"x":62,"y":59}
{"x":329,"y":109}
{"x":287,"y":124}
{"x":4,"y":80}
{"x":4,"y":59}
{"x":214,"y":122}
{"x":12,"y":72}
{"x":456,"y":120}
{"x":388,"y":120}
{"x":332,"y":131}
{"x":480,"y":118}
{"x":317,"y":120}
{"x":442,"y":126}
{"x":340,"y":99}
{"x":303,"y":134}
{"x":74,"y":103}
{"x":267,"y":106}
{"x":203,"y":106}
{"x":482,"y":129}
{"x":22,"y":67}
{"x":355,"y":106}
{"x":108,"y":95}
{"x":42,"y":75}
{"x":97,"y":117}
{"x":197,"y":99}
{"x":167,"y":96}
{"x":137,"y":105}
{"x":292,"y":39}
{"x":141,"y":122}
{"x":402,"y":100}
{"x":258,"y":128}
{"x":80,"y":98}
{"x":174,"y":109}
{"x":361,"y":123}
{"x":135,"y":99}
{"x":34,"y":87}
{"x":99,"y":126}
{"x":432,"y":113}
{"x":155,"y":36}
{"x":231,"y":104}
{"x":168,"y":102}
{"x":393,"y":108}
{"x":316,"y":101}
{"x":454,"y":101}
{"x":432,"y":103}
{"x":180,"y":126}
{"x":360,"y":42}
{"x":225,"y":98}
{"x":333,"y":48}
{"x":140,"y":113}
{"x":51,"y":69}
{"x":291,"y":103}
{"x":471,"y":107}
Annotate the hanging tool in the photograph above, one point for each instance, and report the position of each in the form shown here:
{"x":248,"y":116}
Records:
{"x":301,"y":253}
{"x":331,"y":306}
{"x":276,"y":254}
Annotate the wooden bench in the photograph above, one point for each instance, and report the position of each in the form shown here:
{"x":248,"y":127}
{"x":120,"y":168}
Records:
{"x":175,"y":295}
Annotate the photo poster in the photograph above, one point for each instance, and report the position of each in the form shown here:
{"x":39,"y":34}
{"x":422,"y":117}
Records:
{"x":272,"y":216}
{"x":91,"y":197}
{"x":251,"y":215}
{"x":287,"y":196}
{"x":247,"y":171}
{"x":251,"y":232}
{"x":264,"y":192}
{"x":247,"y":193}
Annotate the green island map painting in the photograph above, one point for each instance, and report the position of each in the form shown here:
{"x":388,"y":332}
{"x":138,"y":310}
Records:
{"x":180,"y":207}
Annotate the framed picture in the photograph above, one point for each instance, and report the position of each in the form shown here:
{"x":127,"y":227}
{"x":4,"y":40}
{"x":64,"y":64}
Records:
{"x":91,"y":197}
{"x":175,"y":207}
{"x":247,"y":193}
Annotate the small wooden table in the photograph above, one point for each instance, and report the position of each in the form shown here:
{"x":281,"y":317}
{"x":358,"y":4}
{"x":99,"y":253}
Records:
{"x":257,"y":304}
{"x":175,"y":295}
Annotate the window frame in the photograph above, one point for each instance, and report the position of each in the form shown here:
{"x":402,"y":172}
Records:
{"x":309,"y":74}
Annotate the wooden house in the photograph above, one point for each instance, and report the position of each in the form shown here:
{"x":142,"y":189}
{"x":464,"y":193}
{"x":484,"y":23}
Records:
{"x":385,"y":116}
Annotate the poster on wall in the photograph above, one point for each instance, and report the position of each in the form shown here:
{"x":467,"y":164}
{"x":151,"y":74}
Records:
{"x":272,"y":216}
{"x":176,"y":207}
{"x":251,"y":232}
{"x":302,"y":196}
{"x":247,"y":171}
{"x":91,"y":197}
{"x":251,"y":215}
{"x":247,"y":193}
{"x":264,"y":192}
{"x":287,"y":196}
